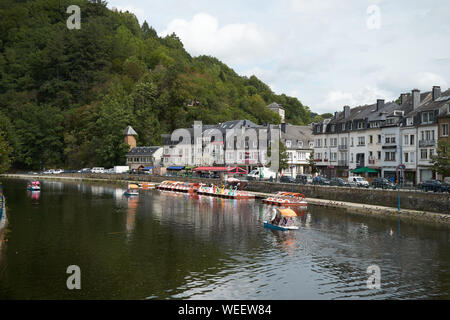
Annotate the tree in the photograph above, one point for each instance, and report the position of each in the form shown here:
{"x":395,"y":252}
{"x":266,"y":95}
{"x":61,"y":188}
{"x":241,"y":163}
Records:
{"x":283,"y":157}
{"x":5,"y":152}
{"x":441,"y":161}
{"x":312,"y":163}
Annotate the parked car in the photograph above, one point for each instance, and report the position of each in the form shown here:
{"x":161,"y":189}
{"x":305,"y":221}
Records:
{"x":98,"y":170}
{"x":383,"y":183}
{"x":304,"y":178}
{"x":85,"y":170}
{"x":287,"y":179}
{"x":434,"y":185}
{"x":357,"y":181}
{"x":319,"y":180}
{"x":50,"y":171}
{"x":339,"y":182}
{"x":70,"y":171}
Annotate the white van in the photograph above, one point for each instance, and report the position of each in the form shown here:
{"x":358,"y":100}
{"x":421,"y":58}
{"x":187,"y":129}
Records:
{"x":263,"y":173}
{"x":356,"y":181}
{"x":98,"y":170}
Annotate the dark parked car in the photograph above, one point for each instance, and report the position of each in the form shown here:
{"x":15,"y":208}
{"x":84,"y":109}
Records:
{"x":321,"y":181}
{"x":434,"y":185}
{"x":383,"y":183}
{"x":287,"y":179}
{"x":303,"y":178}
{"x":339,"y":182}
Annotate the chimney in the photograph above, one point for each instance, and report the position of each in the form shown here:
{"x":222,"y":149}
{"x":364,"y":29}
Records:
{"x":415,"y":98}
{"x":380,"y":104}
{"x":436,"y":92}
{"x":335,"y":115}
{"x":403,"y":97}
{"x":346,"y":112}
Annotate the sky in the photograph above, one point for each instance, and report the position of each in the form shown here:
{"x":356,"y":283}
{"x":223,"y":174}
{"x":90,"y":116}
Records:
{"x":326,"y":53}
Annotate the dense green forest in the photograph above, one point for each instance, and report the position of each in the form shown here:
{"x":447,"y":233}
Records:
{"x":67,"y":95}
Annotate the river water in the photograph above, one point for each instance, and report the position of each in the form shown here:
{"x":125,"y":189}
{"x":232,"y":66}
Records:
{"x":163,"y":245}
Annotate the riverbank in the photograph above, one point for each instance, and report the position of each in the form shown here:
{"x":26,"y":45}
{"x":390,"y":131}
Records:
{"x":352,"y":207}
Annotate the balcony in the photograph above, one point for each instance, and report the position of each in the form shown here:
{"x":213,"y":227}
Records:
{"x":427,"y":143}
{"x":342,"y":147}
{"x":342,"y":163}
{"x":318,"y":160}
{"x":371,"y":161}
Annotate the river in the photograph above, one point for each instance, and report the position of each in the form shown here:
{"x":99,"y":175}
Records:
{"x":163,"y":245}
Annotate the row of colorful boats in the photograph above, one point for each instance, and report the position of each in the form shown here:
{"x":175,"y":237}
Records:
{"x":282,"y":217}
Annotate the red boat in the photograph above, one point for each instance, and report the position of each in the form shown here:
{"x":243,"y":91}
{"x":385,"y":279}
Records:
{"x":286,"y":199}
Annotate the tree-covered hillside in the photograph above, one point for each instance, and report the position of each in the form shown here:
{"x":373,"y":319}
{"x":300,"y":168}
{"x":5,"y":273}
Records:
{"x":67,"y":95}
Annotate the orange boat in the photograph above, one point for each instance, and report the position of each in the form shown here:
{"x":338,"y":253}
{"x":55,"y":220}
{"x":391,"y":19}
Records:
{"x":286,"y":199}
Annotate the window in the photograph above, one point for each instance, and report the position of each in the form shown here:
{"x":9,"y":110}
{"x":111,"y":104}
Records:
{"x":333,"y":142}
{"x":390,"y":139}
{"x":444,"y":130}
{"x":390,"y":121}
{"x":351,"y":157}
{"x":333,"y":156}
{"x":325,"y":155}
{"x":411,"y":139}
{"x":406,"y":157}
{"x":300,"y":144}
{"x":375,"y":124}
{"x":343,"y":126}
{"x":370,"y":139}
{"x":319,"y":156}
{"x":427,"y":117}
{"x":318,"y":143}
{"x":412,"y":157}
{"x":333,"y":128}
{"x":360,"y":125}
{"x":406,"y":139}
{"x":379,"y":138}
{"x":352,"y":142}
{"x":325,"y":142}
{"x":389,"y":156}
{"x":409,"y":121}
{"x":423,"y":154}
{"x":288,"y":143}
{"x":378,"y":155}
{"x":361,"y":141}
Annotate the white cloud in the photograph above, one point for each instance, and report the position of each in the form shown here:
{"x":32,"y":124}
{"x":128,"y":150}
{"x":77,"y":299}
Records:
{"x":336,"y":99}
{"x":238,"y":43}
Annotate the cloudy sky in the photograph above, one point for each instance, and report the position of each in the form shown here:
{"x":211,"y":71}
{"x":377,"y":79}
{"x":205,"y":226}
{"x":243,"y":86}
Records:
{"x":326,"y":53}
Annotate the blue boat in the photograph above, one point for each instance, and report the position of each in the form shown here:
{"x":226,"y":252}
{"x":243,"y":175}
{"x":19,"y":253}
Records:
{"x":275,"y":227}
{"x":279,"y":213}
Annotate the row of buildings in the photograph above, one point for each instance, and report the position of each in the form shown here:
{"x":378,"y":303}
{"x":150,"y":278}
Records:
{"x":385,"y":136}
{"x":381,"y":136}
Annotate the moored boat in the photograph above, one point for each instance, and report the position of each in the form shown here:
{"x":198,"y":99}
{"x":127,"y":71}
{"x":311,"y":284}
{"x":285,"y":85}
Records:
{"x":286,"y":199}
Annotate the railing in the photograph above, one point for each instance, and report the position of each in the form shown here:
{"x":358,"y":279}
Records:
{"x":371,"y":161}
{"x":427,"y":143}
{"x":317,"y":160}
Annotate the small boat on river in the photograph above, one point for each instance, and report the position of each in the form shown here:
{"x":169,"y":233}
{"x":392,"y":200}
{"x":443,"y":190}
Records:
{"x":286,"y":199}
{"x":282,"y":219}
{"x":34,"y":186}
{"x":132,"y":190}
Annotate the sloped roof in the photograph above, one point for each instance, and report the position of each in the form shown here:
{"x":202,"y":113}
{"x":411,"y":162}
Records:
{"x":129,"y":131}
{"x":143,"y":151}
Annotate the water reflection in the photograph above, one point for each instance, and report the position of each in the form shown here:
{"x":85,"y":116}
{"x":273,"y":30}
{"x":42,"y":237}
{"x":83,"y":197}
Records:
{"x":162,"y":245}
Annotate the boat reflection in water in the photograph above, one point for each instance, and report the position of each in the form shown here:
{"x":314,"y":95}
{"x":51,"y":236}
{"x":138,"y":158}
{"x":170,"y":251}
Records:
{"x":34,"y":195}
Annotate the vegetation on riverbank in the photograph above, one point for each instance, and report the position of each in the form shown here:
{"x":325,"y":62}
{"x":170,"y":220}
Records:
{"x":67,"y":95}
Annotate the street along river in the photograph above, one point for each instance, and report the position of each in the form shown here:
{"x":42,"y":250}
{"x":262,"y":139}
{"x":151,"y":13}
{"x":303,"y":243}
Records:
{"x":162,"y":245}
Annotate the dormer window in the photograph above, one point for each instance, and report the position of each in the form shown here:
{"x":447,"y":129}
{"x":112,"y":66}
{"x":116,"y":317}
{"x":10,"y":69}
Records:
{"x":360,"y":125}
{"x":300,"y":144}
{"x":288,"y":143}
{"x":427,"y":117}
{"x":333,"y":128}
{"x":390,"y":121}
{"x":409,"y":121}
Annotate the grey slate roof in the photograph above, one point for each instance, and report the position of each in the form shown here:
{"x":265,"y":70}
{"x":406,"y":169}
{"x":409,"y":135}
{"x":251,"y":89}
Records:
{"x":298,"y":133}
{"x":143,"y":151}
